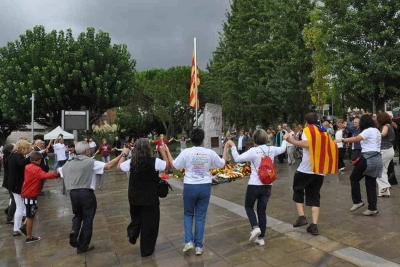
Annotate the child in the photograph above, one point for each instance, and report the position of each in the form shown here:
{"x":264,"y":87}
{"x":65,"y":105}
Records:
{"x":33,"y":177}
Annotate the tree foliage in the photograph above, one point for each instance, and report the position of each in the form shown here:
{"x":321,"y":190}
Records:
{"x":261,"y":66}
{"x":162,"y":98}
{"x":363,"y":50}
{"x":64,"y":73}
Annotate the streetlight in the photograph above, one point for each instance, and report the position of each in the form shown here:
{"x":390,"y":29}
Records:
{"x":33,"y":112}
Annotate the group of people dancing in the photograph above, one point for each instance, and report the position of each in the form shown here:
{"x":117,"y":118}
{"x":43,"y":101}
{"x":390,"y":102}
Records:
{"x":319,"y":158}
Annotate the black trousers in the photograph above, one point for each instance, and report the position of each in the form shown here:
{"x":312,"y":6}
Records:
{"x":84,"y":205}
{"x":281,"y":157}
{"x":342,"y":152}
{"x":370,"y":185}
{"x":145,"y":221}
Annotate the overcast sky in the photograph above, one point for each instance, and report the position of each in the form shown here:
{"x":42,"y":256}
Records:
{"x":159,"y":33}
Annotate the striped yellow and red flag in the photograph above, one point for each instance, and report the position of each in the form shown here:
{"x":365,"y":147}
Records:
{"x":323,"y":151}
{"x":193,"y":86}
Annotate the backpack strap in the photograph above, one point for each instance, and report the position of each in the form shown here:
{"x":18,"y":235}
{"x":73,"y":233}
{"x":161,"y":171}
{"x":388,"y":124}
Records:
{"x":264,"y":156}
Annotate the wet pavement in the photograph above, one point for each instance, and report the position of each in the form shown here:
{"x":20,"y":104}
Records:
{"x":346,"y":238}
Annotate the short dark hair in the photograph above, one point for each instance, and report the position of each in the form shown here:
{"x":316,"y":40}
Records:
{"x":197,"y":137}
{"x":366,"y":122}
{"x":311,"y":118}
{"x":35,"y":156}
{"x":260,"y":137}
{"x":7,"y":149}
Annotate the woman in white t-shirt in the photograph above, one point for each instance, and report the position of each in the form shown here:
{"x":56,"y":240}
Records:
{"x":368,"y":165}
{"x":197,"y":162}
{"x":256,"y":190}
{"x":339,"y":134}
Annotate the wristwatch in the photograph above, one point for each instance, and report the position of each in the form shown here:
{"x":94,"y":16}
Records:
{"x":343,"y":140}
{"x":124,"y":155}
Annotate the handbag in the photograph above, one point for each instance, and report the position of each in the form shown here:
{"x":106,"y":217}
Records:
{"x":163,"y":188}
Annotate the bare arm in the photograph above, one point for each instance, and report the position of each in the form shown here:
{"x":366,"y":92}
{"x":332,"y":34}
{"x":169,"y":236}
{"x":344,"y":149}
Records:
{"x":298,"y":143}
{"x":354,"y":139}
{"x":124,"y":152}
{"x":385,"y":130}
{"x":112,"y":163}
{"x":167,"y":157}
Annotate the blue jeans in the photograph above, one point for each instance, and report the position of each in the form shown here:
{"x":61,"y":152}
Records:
{"x":261,"y":193}
{"x":105,"y":159}
{"x":196,"y":198}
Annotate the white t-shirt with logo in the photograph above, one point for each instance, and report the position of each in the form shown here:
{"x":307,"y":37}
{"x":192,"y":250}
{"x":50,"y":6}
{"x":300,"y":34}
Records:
{"x":305,"y":165}
{"x":92,"y":144}
{"x":159,"y":165}
{"x":371,"y":140}
{"x":59,"y":150}
{"x":197,"y":162}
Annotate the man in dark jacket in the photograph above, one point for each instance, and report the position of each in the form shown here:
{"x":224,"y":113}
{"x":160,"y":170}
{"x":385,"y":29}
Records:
{"x":117,"y":145}
{"x":10,"y":210}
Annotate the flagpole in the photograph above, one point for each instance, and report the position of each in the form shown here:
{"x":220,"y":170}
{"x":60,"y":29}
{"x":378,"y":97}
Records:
{"x":195,"y":81}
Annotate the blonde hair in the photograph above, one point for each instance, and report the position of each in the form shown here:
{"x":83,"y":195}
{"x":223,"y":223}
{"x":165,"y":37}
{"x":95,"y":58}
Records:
{"x":325,"y":124}
{"x":21,"y":145}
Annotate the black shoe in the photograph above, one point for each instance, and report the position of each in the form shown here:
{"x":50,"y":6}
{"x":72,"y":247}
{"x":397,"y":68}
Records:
{"x":32,"y":239}
{"x":90,"y":247}
{"x":132,"y":240}
{"x":300,"y":221}
{"x":6,"y":211}
{"x":73,"y":240}
{"x":23,"y":229}
{"x":313,"y":229}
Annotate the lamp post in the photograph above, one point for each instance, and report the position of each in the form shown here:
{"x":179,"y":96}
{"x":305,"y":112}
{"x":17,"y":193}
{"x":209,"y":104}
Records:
{"x":33,"y":113}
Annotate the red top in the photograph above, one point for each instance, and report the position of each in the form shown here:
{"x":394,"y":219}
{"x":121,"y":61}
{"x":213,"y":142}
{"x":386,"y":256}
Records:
{"x":105,"y":150}
{"x":33,"y":177}
{"x":160,"y":142}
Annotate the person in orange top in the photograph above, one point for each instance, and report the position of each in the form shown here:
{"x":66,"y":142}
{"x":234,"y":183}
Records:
{"x":33,"y":177}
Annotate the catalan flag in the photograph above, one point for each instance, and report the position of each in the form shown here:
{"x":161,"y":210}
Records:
{"x":323,"y":151}
{"x":193,"y":100}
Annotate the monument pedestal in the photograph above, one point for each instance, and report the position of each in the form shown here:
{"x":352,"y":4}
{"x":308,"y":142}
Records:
{"x":213,"y":127}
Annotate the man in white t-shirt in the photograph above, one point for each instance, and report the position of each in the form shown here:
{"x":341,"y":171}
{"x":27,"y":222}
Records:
{"x":92,"y":146}
{"x":290,"y":148}
{"x":305,"y":182}
{"x":60,"y":151}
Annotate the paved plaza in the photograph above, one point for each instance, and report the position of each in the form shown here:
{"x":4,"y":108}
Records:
{"x":346,"y":238}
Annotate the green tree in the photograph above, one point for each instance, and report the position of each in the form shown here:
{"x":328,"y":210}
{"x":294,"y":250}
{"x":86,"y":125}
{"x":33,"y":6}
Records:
{"x":7,"y":126}
{"x":364,"y":50}
{"x":64,"y":73}
{"x":261,"y":66}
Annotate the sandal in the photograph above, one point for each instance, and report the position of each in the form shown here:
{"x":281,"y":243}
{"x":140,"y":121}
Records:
{"x":383,"y":191}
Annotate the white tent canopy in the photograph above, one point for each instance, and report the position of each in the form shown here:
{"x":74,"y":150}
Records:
{"x":56,"y":132}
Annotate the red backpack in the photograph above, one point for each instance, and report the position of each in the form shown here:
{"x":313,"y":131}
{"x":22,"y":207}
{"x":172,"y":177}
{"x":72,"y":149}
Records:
{"x":266,"y":170}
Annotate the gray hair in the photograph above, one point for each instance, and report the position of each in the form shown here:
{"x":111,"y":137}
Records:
{"x":81,"y":147}
{"x":38,"y":142}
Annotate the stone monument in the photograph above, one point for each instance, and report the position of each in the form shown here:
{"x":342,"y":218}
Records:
{"x":213,"y":127}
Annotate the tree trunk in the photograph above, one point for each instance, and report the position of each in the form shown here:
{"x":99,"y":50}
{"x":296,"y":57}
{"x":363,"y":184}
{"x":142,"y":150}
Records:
{"x":373,"y":105}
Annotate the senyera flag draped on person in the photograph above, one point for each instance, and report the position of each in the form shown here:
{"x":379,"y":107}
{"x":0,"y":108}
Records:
{"x":194,"y":96}
{"x":323,"y":150}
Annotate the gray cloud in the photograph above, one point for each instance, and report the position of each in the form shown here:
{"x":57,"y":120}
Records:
{"x":159,"y":33}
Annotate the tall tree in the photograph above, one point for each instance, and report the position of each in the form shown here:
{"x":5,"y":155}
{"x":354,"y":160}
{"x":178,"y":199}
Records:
{"x":261,"y":66}
{"x":364,"y":50}
{"x":64,"y":73}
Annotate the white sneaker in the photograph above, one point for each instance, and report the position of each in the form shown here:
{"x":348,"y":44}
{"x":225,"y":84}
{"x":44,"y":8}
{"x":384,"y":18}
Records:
{"x":356,"y":206}
{"x":188,"y":246}
{"x":199,"y":250}
{"x":260,"y":241}
{"x":341,"y":169}
{"x":254,"y":234}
